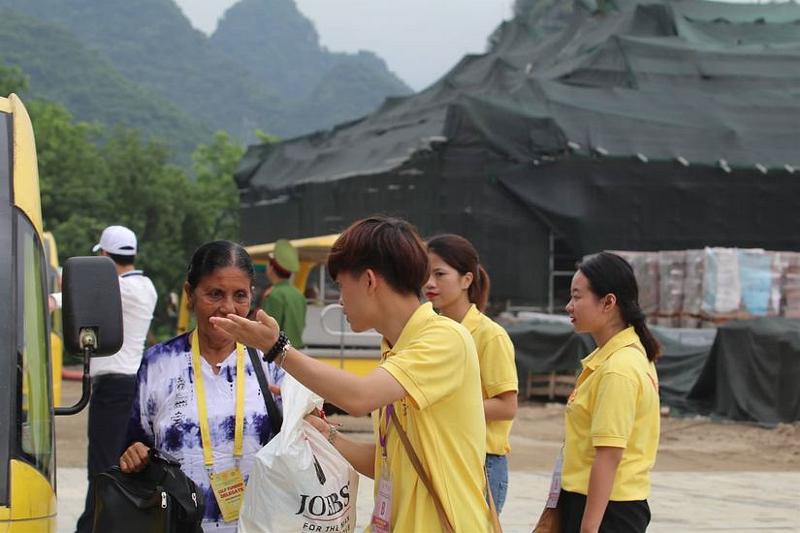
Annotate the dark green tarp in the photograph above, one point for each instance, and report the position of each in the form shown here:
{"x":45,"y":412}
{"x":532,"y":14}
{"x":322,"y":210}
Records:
{"x":578,"y":123}
{"x":753,"y":372}
{"x":544,"y":347}
{"x":748,"y":371}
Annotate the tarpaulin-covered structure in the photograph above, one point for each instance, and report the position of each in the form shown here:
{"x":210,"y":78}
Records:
{"x":549,"y":346}
{"x":632,"y":124}
{"x":752,"y":372}
{"x":745,"y":370}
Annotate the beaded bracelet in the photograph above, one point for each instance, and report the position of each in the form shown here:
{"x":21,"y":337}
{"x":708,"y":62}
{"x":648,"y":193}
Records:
{"x":280,"y":347}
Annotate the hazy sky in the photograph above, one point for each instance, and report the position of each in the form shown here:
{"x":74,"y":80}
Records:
{"x":419,"y":39}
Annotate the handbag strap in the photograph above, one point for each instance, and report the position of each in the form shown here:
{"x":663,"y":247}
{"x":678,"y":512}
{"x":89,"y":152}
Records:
{"x":445,"y":522}
{"x":275,"y":416}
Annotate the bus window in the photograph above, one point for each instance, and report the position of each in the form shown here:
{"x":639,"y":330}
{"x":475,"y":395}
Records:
{"x":35,"y":423}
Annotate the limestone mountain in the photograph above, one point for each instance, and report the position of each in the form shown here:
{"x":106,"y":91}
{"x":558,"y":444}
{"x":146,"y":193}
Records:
{"x":62,"y":69}
{"x":262,"y":69}
{"x":281,"y":47}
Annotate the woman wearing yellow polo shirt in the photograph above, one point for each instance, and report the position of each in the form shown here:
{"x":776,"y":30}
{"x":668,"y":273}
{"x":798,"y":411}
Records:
{"x":458,"y":288}
{"x":612,"y":416}
{"x":427,"y":385}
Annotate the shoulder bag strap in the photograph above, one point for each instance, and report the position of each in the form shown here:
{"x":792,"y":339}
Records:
{"x":275,"y":416}
{"x":495,"y":517}
{"x":446,"y":526}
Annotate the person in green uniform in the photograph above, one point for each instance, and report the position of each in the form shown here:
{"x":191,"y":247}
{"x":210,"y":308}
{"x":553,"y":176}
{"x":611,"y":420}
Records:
{"x":283,"y":301}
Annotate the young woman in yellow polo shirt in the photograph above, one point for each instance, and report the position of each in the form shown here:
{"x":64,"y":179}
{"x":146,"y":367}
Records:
{"x":428,"y":383}
{"x":458,"y":288}
{"x":613,"y":415}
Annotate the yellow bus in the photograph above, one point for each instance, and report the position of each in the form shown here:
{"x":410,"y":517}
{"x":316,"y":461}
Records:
{"x":54,"y":285}
{"x":27,"y":442}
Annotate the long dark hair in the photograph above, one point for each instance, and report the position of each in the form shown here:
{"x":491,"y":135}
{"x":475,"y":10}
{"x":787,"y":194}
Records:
{"x":610,"y":274}
{"x":460,"y":254}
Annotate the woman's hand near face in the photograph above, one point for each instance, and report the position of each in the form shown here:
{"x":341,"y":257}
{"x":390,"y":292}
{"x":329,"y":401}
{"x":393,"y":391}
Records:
{"x":135,"y":458}
{"x":261,"y":333}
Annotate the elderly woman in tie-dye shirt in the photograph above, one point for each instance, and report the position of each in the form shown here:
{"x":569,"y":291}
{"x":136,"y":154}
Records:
{"x":191,"y":383}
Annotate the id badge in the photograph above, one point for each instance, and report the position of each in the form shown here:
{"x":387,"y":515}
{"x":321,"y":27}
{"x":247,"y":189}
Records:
{"x":382,"y":513}
{"x":555,"y":482}
{"x":228,"y":487}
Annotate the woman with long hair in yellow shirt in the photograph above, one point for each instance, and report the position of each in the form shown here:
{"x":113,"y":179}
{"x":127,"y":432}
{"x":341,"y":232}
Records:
{"x":612,"y":417}
{"x":458,"y":287}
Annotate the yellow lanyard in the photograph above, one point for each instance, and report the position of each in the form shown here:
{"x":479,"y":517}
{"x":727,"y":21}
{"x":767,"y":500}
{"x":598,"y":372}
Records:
{"x":202,"y":410}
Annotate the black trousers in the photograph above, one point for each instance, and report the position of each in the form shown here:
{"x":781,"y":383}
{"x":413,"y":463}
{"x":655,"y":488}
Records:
{"x":109,"y":410}
{"x":620,"y":517}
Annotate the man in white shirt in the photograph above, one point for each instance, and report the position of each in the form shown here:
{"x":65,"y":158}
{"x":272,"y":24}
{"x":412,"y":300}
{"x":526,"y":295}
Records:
{"x":114,"y":377}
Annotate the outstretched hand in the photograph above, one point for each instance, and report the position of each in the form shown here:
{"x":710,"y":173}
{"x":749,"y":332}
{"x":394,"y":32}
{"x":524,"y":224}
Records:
{"x":261,"y":333}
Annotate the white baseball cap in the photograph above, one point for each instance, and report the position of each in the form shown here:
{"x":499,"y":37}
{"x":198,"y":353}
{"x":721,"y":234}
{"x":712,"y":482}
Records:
{"x":117,"y":240}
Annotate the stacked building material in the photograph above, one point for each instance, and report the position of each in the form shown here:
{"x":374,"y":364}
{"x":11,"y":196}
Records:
{"x":645,"y":267}
{"x":703,"y":288}
{"x":790,"y":301}
{"x":693,"y":289}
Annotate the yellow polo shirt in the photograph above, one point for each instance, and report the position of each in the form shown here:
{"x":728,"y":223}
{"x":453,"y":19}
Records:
{"x":434,"y":360}
{"x":498,"y":371}
{"x":615,"y":403}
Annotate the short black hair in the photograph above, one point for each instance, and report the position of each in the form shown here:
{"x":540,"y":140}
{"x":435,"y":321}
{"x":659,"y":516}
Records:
{"x":122,"y":260}
{"x":389,"y":246}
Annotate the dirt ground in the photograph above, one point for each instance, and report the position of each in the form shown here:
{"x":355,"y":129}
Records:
{"x":687,"y":444}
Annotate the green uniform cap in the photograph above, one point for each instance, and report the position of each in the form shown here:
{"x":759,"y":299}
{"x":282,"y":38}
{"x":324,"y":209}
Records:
{"x":286,"y":256}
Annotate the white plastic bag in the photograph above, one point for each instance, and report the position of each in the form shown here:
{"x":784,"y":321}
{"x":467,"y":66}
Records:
{"x":299,"y":482}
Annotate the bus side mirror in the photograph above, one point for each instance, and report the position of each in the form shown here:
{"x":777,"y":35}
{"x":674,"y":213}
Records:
{"x":92,"y":307}
{"x":92,"y":315}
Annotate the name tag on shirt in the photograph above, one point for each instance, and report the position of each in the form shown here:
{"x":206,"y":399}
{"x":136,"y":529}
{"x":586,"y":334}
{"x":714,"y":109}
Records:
{"x":382,"y":513}
{"x":555,"y":483}
{"x":228,"y":487}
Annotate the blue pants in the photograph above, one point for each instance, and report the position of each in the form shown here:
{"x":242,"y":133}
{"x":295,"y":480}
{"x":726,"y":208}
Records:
{"x":497,"y":473}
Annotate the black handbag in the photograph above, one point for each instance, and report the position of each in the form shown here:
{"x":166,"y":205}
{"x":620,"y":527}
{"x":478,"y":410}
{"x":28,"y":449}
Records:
{"x":159,"y":499}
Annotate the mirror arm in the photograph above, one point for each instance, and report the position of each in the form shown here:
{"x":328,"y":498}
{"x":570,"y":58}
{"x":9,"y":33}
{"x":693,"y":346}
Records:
{"x":89,"y":344}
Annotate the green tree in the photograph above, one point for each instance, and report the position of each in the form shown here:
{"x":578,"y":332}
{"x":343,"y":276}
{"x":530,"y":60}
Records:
{"x":91,"y":178}
{"x":215,"y":197}
{"x":266,"y":138}
{"x":12,"y":80}
{"x":72,"y":177}
{"x":151,"y":196}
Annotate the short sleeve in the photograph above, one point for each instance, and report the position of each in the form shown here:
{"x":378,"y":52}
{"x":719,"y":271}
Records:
{"x":140,"y":422}
{"x":431,"y":367}
{"x":614,"y":410}
{"x":498,"y":368}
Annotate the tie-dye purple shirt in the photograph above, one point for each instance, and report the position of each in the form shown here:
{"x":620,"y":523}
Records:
{"x":164,"y":414}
